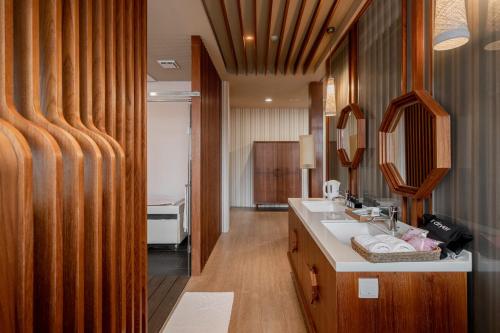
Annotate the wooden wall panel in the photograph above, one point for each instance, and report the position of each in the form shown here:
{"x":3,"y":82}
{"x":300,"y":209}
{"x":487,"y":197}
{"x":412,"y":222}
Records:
{"x":72,"y":137}
{"x":206,"y":153}
{"x":316,"y":129}
{"x":16,"y":229}
{"x":47,"y":185}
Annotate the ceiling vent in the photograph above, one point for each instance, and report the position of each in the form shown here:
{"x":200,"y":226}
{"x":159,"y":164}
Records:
{"x":168,"y":64}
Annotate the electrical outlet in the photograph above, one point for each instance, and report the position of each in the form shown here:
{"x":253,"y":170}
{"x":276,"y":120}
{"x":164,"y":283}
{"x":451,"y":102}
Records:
{"x":368,"y":288}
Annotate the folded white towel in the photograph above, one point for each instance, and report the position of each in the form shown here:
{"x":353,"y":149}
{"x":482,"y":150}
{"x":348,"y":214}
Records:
{"x":371,"y":244}
{"x":396,"y":244}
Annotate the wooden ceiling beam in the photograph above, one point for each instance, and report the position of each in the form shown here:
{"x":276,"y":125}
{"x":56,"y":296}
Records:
{"x":214,"y":31}
{"x":269,"y":17}
{"x":294,"y":36}
{"x":228,"y":32}
{"x":256,"y":61}
{"x":240,"y":16}
{"x":319,"y":37}
{"x":305,"y":41}
{"x":282,"y":32}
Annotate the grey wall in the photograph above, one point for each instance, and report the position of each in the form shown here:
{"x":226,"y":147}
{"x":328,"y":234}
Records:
{"x":467,"y":84}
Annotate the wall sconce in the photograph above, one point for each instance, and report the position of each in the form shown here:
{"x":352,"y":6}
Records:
{"x":450,"y":25}
{"x":331,"y":103}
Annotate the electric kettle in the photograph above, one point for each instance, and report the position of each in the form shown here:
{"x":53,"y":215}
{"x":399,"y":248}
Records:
{"x":331,"y":189}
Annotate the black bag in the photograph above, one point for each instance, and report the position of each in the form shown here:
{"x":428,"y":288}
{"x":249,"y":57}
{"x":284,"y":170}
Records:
{"x":454,"y":236}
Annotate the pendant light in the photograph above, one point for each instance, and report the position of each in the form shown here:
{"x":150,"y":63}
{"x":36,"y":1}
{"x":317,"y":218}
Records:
{"x":330,"y":105}
{"x":450,"y":25}
{"x":493,"y":26}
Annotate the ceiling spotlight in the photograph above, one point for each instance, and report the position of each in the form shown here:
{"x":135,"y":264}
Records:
{"x":248,"y":37}
{"x":275,"y":38}
{"x":268,"y":100}
{"x":330,"y":30}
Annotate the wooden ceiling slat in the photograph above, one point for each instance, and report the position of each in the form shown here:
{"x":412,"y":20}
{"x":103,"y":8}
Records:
{"x":256,"y":61}
{"x":305,"y":41}
{"x":240,"y":17}
{"x":205,"y":6}
{"x":229,"y":35}
{"x":319,"y":37}
{"x":282,"y":32}
{"x":294,"y":36}
{"x":269,"y":17}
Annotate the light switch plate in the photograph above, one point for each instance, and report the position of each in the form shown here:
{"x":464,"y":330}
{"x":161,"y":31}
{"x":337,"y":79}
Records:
{"x":368,"y":288}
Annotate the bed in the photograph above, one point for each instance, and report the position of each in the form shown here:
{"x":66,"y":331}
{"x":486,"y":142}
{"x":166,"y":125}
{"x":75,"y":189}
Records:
{"x":166,"y":220}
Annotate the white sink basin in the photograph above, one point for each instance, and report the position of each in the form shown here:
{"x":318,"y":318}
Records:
{"x":345,"y":231}
{"x":323,"y":206}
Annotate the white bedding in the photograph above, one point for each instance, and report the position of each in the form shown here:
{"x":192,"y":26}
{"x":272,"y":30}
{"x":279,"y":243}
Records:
{"x":164,"y":200}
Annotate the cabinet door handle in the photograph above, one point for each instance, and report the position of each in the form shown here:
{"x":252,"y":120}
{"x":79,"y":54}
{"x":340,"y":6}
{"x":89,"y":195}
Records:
{"x":314,"y":284}
{"x":295,"y":241}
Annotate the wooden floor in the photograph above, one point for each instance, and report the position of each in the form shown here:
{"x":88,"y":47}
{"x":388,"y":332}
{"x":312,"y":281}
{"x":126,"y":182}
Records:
{"x":163,"y":292}
{"x":251,"y":261}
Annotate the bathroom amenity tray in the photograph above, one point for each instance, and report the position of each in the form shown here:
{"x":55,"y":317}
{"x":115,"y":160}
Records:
{"x":360,"y":218}
{"x":396,"y":256}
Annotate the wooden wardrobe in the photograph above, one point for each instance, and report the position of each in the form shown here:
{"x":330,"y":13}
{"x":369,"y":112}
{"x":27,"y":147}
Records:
{"x":276,"y":172}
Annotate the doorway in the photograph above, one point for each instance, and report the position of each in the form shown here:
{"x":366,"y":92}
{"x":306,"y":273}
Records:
{"x":169,"y":200}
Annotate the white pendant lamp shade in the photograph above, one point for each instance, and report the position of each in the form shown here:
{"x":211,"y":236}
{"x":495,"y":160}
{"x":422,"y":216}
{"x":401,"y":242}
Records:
{"x":307,"y":156}
{"x":450,"y":25}
{"x":331,"y":106}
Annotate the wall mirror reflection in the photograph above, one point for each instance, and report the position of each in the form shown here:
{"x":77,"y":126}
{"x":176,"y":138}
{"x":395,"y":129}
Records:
{"x":351,"y":140}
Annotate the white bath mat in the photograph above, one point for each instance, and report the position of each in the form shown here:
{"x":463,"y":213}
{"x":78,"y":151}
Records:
{"x":207,"y":312}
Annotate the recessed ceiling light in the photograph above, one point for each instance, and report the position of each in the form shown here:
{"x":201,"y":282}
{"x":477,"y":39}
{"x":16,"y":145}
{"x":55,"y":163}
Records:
{"x":153,"y":93}
{"x":168,"y":64}
{"x":248,"y":37}
{"x":330,"y":30}
{"x":268,"y":100}
{"x":275,"y":38}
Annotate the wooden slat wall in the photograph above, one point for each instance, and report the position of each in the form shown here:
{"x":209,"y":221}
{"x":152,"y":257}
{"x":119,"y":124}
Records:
{"x":206,"y":118}
{"x":72,"y":171}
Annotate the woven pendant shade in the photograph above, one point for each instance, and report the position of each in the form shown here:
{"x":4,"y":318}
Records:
{"x":493,"y":26}
{"x":330,"y":107}
{"x":450,"y":25}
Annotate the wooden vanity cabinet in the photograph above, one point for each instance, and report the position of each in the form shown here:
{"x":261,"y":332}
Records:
{"x":408,"y":301}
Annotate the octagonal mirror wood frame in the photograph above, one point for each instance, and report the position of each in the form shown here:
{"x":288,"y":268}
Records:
{"x":436,"y":148}
{"x":361,"y":135}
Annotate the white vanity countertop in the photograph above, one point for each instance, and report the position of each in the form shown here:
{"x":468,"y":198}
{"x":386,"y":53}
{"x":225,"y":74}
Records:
{"x":344,"y":259}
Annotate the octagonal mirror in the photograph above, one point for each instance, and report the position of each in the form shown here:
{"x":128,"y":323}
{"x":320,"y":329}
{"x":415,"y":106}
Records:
{"x":351,"y":135}
{"x":415,"y":144}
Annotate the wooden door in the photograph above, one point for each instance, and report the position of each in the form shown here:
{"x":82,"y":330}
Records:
{"x":265,"y":172}
{"x":288,"y":161}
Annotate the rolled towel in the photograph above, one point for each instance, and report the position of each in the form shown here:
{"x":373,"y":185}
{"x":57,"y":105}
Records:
{"x":395,"y":244}
{"x":371,"y":244}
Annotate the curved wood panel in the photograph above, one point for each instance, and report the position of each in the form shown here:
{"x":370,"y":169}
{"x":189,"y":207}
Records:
{"x":47,"y":187}
{"x":120,"y":73}
{"x":129,"y":151}
{"x":93,"y":168}
{"x":26,"y":45}
{"x":16,"y":231}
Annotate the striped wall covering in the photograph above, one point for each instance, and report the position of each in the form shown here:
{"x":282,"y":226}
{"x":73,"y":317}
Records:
{"x":379,"y":68}
{"x":248,"y":125}
{"x":467,"y":84}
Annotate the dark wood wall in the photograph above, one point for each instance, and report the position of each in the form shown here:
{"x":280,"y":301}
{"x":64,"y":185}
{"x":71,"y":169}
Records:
{"x":316,"y":129}
{"x":72,"y":165}
{"x":206,"y":155}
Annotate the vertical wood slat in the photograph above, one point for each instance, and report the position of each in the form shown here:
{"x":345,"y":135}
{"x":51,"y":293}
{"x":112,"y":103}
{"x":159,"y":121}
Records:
{"x":47,"y":186}
{"x":67,"y":82}
{"x":16,"y":229}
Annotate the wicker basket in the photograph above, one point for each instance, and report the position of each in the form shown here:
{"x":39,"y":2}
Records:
{"x":396,"y":256}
